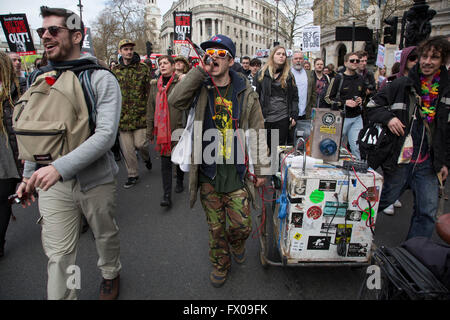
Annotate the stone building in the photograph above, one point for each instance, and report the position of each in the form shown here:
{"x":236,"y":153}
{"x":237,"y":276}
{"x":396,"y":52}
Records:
{"x":250,"y":23}
{"x":331,"y":13}
{"x":153,"y":17}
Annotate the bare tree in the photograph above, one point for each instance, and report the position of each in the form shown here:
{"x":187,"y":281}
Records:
{"x":296,"y":11}
{"x":119,"y":20}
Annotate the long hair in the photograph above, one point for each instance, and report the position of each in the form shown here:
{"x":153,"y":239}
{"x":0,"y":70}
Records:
{"x":270,"y":65}
{"x":7,"y":78}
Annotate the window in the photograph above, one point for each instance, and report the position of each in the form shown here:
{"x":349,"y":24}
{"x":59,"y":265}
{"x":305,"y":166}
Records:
{"x":365,"y":4}
{"x":346,"y":6}
{"x":336,"y":8}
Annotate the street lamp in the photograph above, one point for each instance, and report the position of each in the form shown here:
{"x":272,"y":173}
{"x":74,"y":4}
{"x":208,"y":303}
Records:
{"x":352,"y":19}
{"x":277,"y":23}
{"x":79,"y":5}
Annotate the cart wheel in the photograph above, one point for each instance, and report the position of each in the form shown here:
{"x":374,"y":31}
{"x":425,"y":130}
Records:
{"x":273,"y":253}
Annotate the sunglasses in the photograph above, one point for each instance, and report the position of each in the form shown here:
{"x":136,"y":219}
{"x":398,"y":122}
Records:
{"x":355,"y":61}
{"x":221,"y":53}
{"x":413,"y":58}
{"x":53,"y":30}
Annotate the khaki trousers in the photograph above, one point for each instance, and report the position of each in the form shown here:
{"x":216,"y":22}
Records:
{"x":61,"y":208}
{"x":129,"y":142}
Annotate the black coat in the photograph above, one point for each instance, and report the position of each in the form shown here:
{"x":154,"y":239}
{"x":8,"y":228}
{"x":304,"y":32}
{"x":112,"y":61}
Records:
{"x":264,"y":88}
{"x":398,"y":99}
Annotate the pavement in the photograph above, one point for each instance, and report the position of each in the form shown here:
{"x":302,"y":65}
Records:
{"x":164,"y":254}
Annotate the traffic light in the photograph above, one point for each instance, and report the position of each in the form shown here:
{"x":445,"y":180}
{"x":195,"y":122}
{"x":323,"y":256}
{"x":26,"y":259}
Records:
{"x":149,"y":47}
{"x":390,"y":31}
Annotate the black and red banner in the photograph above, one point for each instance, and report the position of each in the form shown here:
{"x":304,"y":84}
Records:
{"x":182,"y":26}
{"x":18,"y":33}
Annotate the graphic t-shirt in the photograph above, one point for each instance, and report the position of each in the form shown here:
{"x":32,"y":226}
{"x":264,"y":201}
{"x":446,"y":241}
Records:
{"x":226,"y":179}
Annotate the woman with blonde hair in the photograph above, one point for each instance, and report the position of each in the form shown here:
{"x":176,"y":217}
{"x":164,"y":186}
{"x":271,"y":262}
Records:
{"x":10,"y":167}
{"x":278,"y":95}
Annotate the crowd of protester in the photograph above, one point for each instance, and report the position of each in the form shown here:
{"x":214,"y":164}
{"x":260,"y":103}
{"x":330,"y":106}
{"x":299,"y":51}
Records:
{"x":143,"y":106}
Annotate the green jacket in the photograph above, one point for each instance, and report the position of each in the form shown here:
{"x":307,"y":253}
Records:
{"x":134,"y":80}
{"x":250,"y":118}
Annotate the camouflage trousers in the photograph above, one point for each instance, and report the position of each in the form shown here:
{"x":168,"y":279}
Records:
{"x":229,"y":221}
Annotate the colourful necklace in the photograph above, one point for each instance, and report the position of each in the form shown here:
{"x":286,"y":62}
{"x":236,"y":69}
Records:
{"x":429,"y":95}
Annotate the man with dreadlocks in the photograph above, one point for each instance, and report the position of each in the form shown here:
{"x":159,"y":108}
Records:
{"x":10,"y":166}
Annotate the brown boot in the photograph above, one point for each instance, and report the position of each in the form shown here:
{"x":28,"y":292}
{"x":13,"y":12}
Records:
{"x":218,"y":278}
{"x":109,"y":289}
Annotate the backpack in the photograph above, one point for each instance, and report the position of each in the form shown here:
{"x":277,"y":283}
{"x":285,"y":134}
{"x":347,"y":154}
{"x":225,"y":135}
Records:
{"x":54,"y":117}
{"x":375,"y":144}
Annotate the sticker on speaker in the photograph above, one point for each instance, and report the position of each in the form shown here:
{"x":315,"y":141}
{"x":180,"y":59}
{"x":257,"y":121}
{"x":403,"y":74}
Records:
{"x":328,"y":119}
{"x":314,"y":212}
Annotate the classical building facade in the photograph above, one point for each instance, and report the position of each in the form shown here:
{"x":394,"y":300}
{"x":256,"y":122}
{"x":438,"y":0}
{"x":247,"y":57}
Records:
{"x":250,"y":23}
{"x":332,"y":13}
{"x":153,"y":17}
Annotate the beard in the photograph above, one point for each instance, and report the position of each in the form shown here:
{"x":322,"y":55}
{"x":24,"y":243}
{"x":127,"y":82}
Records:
{"x":61,"y":51}
{"x":298,"y":67}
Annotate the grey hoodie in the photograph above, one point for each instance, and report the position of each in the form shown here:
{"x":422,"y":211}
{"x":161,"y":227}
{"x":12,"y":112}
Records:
{"x":92,"y":163}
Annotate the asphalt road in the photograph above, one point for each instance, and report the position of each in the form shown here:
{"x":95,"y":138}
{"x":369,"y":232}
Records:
{"x":164,"y":254}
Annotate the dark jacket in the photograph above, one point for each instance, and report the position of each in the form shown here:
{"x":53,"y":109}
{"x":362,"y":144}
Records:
{"x":264,"y":88}
{"x":10,"y":165}
{"x":398,"y":99}
{"x":351,"y":86}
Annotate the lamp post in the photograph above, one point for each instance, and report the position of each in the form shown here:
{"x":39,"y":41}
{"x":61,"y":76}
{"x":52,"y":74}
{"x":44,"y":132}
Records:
{"x":79,"y":5}
{"x":277,"y":23}
{"x":352,"y":19}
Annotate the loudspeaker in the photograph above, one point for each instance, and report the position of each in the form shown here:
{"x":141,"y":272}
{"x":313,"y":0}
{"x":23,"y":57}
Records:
{"x":325,"y":139}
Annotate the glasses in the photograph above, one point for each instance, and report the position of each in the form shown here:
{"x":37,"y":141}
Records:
{"x":413,"y":58}
{"x":221,"y":53}
{"x":355,"y":61}
{"x":53,"y":30}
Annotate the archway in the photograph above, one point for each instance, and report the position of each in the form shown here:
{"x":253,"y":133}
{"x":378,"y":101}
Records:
{"x":341,"y":52}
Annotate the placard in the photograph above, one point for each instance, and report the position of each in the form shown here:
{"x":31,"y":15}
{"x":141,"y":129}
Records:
{"x":182,"y":26}
{"x":311,"y":38}
{"x":18,"y":34}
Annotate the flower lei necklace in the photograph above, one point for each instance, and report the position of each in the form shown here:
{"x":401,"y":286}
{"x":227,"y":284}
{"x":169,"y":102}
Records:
{"x":429,"y":95}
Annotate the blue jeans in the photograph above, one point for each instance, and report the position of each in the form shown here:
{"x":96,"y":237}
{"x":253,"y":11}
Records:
{"x":352,"y":127}
{"x":425,"y":187}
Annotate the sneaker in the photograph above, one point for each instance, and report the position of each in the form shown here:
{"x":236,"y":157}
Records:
{"x":389,"y":210}
{"x":238,"y":257}
{"x":109,"y":289}
{"x":148,"y":164}
{"x":397,"y":204}
{"x":130,"y":182}
{"x":218,"y":278}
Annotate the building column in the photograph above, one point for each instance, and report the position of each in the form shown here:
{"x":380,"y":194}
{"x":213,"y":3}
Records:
{"x":198,"y":26}
{"x":203,"y":30}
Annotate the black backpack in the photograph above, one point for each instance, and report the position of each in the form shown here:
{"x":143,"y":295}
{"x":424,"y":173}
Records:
{"x":376,"y":143}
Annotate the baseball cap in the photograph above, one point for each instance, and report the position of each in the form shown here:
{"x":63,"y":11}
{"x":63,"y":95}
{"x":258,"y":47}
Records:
{"x":221,"y":41}
{"x":125,"y":42}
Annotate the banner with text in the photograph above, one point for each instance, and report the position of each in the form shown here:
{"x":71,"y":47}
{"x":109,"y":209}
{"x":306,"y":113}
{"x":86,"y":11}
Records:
{"x":87,"y":42}
{"x":311,"y":39}
{"x":182,"y":26}
{"x":18,"y":34}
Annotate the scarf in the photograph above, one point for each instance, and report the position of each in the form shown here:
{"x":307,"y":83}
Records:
{"x":162,"y":129}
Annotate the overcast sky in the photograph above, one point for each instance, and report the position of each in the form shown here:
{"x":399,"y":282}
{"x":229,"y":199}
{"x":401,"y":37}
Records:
{"x":91,"y":8}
